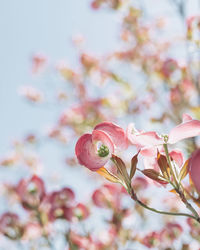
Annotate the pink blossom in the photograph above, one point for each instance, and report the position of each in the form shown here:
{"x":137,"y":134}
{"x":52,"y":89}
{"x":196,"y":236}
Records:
{"x":151,"y":240}
{"x":191,"y":20}
{"x":171,"y":232}
{"x":64,"y":197}
{"x":139,"y":183}
{"x":31,"y":94}
{"x":61,"y":213}
{"x":79,"y":113}
{"x":107,"y":196}
{"x":61,"y":204}
{"x":94,"y":150}
{"x":177,"y":156}
{"x":38,"y":62}
{"x":194,"y":165}
{"x":31,"y":192}
{"x":175,"y":95}
{"x":88,"y":62}
{"x":194,"y":225}
{"x":10,"y":159}
{"x":59,"y":134}
{"x":143,"y":139}
{"x":80,"y":242}
{"x":187,"y":87}
{"x":81,"y":211}
{"x":95,"y":5}
{"x":147,"y":141}
{"x":188,"y":128}
{"x":168,"y":67}
{"x":10,"y":226}
{"x":30,"y":138}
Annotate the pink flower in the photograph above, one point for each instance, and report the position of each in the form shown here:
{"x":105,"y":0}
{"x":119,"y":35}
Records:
{"x":175,"y":95}
{"x":171,"y":232}
{"x":194,"y":165}
{"x":94,"y":150}
{"x":58,"y":133}
{"x":139,"y":183}
{"x":151,"y":240}
{"x":38,"y":62}
{"x":61,"y":213}
{"x":31,"y":94}
{"x":168,"y":67}
{"x":81,"y":211}
{"x":64,"y":197}
{"x":95,"y":5}
{"x":107,"y":196}
{"x":88,"y":62}
{"x":79,"y":113}
{"x":149,"y":141}
{"x":61,"y":204}
{"x":11,"y":226}
{"x":194,"y":225}
{"x":31,"y":192}
{"x":80,"y":242}
{"x":191,"y":20}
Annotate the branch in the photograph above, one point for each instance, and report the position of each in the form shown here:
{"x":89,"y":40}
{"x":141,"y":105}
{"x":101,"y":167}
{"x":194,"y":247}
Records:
{"x":134,"y":197}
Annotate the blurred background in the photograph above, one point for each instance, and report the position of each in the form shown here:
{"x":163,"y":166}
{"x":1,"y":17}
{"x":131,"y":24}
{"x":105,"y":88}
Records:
{"x":110,"y":59}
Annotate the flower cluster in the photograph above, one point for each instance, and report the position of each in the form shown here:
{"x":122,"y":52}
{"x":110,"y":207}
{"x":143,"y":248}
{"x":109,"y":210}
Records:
{"x":63,"y":206}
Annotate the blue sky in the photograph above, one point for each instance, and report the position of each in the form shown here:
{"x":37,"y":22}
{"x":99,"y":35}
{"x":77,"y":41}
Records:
{"x":41,"y":26}
{"x":29,"y":26}
{"x":45,"y":26}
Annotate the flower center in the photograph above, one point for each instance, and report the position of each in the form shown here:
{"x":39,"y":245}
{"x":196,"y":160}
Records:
{"x":103,"y":151}
{"x":165,"y":137}
{"x":32,"y":189}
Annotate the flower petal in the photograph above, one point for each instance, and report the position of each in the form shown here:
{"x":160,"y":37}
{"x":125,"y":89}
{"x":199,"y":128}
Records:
{"x":186,"y":118}
{"x":86,"y":150}
{"x":194,"y":165}
{"x":116,"y":134}
{"x":184,"y":130}
{"x":143,"y":139}
{"x":149,"y":151}
{"x":177,"y":156}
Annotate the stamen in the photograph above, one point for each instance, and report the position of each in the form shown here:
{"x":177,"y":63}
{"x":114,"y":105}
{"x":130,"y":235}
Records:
{"x":103,"y":151}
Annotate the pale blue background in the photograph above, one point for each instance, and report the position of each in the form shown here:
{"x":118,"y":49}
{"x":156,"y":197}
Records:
{"x":46,"y":26}
{"x":29,"y":26}
{"x":41,"y":26}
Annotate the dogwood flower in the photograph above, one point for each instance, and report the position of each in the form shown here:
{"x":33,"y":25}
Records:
{"x":94,"y":150}
{"x":148,"y":142}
